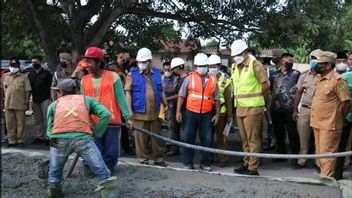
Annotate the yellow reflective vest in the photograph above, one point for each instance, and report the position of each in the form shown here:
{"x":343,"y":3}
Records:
{"x":223,"y":83}
{"x":247,"y":88}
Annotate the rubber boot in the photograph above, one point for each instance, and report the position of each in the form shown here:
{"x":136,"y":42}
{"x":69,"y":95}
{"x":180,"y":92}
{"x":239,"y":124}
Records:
{"x":108,"y":188}
{"x":87,"y":172}
{"x":55,"y":191}
{"x":43,"y":169}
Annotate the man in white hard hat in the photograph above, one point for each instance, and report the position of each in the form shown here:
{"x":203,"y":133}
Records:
{"x":144,"y":94}
{"x":251,"y":87}
{"x":226,"y":103}
{"x":200,"y":92}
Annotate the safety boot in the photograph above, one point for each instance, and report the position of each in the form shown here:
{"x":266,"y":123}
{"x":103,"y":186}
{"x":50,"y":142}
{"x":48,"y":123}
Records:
{"x":55,"y":191}
{"x":108,"y":188}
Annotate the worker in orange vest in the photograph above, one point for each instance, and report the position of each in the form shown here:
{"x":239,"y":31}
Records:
{"x":106,"y":87}
{"x":200,"y":91}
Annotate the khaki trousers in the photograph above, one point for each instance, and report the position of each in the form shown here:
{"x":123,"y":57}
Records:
{"x":326,"y":142}
{"x":15,"y":125}
{"x":250,"y":129}
{"x":304,"y":131}
{"x":220,"y":138}
{"x":39,"y":113}
{"x":141,"y":141}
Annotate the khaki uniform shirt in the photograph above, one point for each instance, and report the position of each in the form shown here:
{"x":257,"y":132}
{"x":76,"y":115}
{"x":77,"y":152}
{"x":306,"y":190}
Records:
{"x":262,"y":77}
{"x":16,"y":86}
{"x":150,"y":113}
{"x":329,"y":93}
{"x":306,"y":82}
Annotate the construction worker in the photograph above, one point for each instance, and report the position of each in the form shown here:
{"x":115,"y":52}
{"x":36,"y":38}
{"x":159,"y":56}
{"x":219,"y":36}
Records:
{"x":69,"y":132}
{"x":251,"y":86}
{"x":16,"y":87}
{"x":301,"y":114}
{"x":226,"y":103}
{"x":144,"y":93}
{"x":178,"y":68}
{"x":331,"y":93}
{"x":105,"y":87}
{"x":200,"y":92}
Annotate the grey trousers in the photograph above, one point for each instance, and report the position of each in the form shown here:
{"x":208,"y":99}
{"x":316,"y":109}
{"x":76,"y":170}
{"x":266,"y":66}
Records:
{"x":40,"y":112}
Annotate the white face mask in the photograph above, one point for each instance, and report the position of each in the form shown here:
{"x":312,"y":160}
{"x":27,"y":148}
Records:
{"x":168,"y":74}
{"x":272,"y":63}
{"x":14,"y":69}
{"x":238,"y":59}
{"x":213,"y":71}
{"x":341,"y":67}
{"x":142,"y":66}
{"x":202,"y":70}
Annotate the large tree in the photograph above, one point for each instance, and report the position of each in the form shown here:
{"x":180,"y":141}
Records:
{"x":61,"y":24}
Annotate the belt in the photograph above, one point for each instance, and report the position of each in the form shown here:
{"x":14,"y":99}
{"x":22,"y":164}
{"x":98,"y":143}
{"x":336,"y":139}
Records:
{"x":305,"y":106}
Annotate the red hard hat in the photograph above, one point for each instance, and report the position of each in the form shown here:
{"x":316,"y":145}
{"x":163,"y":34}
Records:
{"x":94,"y":52}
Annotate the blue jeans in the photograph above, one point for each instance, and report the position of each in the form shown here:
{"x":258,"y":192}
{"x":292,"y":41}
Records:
{"x":61,"y":148}
{"x":109,"y":146}
{"x":194,"y":122}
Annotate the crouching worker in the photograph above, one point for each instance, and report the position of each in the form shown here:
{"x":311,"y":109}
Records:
{"x":69,"y":132}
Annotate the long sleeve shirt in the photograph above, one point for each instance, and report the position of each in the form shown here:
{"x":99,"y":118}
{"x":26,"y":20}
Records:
{"x":94,"y":108}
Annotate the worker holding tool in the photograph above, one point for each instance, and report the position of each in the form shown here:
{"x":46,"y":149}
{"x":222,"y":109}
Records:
{"x":200,"y":92}
{"x":105,"y":87}
{"x":251,"y":88}
{"x":226,"y":103}
{"x":69,"y":132}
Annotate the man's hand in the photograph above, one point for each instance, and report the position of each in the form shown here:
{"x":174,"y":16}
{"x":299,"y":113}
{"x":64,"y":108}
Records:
{"x":178,"y":116}
{"x":215,"y":119}
{"x":295,"y":115}
{"x":129,"y":123}
{"x":166,"y":108}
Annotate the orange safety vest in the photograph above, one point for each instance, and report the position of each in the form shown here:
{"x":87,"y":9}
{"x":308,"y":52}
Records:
{"x":200,"y":100}
{"x":71,"y":115}
{"x":106,"y":94}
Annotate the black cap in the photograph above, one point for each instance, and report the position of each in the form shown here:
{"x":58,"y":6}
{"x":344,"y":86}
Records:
{"x":341,"y":55}
{"x":67,"y":85}
{"x":286,"y":54}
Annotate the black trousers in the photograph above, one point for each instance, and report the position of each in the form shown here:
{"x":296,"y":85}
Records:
{"x":125,"y":140}
{"x":340,"y":162}
{"x":282,"y":122}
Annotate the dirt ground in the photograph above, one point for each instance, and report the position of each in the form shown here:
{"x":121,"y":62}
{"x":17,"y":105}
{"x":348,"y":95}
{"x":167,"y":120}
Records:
{"x":19,"y":179}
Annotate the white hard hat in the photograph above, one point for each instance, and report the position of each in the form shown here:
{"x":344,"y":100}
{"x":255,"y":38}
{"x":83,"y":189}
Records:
{"x":144,"y":54}
{"x":201,"y":59}
{"x":214,"y":59}
{"x":176,"y":62}
{"x":237,"y":47}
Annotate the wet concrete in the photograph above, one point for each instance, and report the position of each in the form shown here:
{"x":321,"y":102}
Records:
{"x":19,"y":179}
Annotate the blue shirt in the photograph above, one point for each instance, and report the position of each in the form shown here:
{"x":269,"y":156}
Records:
{"x":283,"y":87}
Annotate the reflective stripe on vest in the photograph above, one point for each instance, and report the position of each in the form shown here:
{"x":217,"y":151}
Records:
{"x":200,"y":100}
{"x":71,"y":115}
{"x":247,"y":88}
{"x":106,"y":94}
{"x":223,"y":83}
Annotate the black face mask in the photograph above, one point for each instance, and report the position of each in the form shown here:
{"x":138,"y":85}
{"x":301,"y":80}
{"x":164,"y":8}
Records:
{"x":318,"y":69}
{"x":125,"y":63}
{"x":63,"y":64}
{"x":36,"y":65}
{"x":289,"y":65}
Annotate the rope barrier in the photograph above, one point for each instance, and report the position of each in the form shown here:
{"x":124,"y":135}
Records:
{"x":238,"y":153}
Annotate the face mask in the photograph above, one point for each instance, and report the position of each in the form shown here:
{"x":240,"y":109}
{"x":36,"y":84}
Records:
{"x":202,"y":70}
{"x":142,"y":66}
{"x":125,"y":63}
{"x":341,"y":67}
{"x":63,"y":64}
{"x":14,"y":69}
{"x":168,"y":74}
{"x":238,"y":59}
{"x":289,"y":65}
{"x":213,"y":71}
{"x":36,"y":65}
{"x":312,"y":63}
{"x":318,"y":70}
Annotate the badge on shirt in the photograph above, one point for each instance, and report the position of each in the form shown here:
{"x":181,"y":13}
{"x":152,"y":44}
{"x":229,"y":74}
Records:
{"x":341,"y":87}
